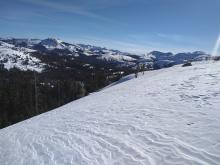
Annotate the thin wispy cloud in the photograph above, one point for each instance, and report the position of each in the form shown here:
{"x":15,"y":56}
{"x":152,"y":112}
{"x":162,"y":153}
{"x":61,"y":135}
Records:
{"x":132,"y":47}
{"x":174,"y":37}
{"x":67,"y":8}
{"x":163,"y":42}
{"x":25,"y":17}
{"x":178,"y":38}
{"x":138,"y":48}
{"x":184,"y":40}
{"x":113,"y":44}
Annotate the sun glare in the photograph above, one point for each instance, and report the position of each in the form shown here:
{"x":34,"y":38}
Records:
{"x":215,"y":51}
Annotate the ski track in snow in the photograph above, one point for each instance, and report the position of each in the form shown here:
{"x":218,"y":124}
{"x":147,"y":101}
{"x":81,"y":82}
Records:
{"x":166,"y":117}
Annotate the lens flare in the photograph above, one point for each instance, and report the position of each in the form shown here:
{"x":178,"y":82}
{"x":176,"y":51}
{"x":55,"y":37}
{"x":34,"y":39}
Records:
{"x":216,"y":48}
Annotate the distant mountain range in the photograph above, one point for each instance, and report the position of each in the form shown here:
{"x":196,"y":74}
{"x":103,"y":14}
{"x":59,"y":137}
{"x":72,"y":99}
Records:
{"x":31,"y":54}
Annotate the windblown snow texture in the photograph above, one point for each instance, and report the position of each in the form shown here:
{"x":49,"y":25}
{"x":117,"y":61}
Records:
{"x":169,"y":116}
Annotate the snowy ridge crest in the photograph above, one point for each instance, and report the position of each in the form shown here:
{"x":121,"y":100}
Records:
{"x":12,"y":48}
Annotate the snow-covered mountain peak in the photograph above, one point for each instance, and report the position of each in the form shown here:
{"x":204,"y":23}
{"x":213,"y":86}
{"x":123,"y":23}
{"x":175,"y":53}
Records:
{"x":160,"y":54}
{"x":200,"y":53}
{"x":52,"y":43}
{"x":99,"y":55}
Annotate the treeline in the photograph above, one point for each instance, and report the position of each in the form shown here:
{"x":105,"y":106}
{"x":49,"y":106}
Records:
{"x":24,"y":94}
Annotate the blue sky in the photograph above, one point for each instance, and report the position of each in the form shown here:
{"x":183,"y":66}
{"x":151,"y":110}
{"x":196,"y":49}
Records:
{"x":136,"y":26}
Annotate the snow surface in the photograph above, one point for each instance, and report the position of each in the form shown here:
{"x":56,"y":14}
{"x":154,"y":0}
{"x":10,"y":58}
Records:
{"x":121,"y":80}
{"x":165,"y":117}
{"x":13,"y":56}
{"x":52,"y":43}
{"x":116,"y":57}
{"x":164,"y":59}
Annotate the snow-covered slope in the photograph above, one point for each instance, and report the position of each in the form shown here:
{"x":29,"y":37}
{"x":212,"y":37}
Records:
{"x":18,"y":57}
{"x":119,"y":58}
{"x":169,"y":116}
